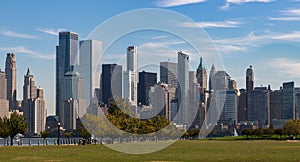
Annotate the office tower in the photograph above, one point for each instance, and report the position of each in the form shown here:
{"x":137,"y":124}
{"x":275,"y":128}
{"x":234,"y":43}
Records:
{"x":276,"y":105}
{"x":130,"y":77}
{"x":249,"y":79}
{"x":242,"y":103}
{"x":66,"y":58}
{"x":73,"y":102}
{"x":211,"y":75}
{"x":221,"y":80}
{"x":4,"y":103}
{"x":258,"y":106}
{"x":297,"y":103}
{"x":29,"y":88}
{"x":168,"y":73}
{"x":11,"y":78}
{"x":183,"y":88}
{"x":33,"y":105}
{"x":146,"y":80}
{"x":90,"y":52}
{"x":288,"y":101}
{"x":111,"y":82}
{"x":228,"y":115}
{"x":201,"y":75}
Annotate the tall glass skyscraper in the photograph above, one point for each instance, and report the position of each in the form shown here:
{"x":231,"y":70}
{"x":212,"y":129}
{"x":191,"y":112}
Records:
{"x":66,"y":58}
{"x":288,"y":101}
{"x":183,"y":87}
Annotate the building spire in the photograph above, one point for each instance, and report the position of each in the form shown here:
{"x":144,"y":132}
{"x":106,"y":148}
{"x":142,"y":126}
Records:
{"x":201,"y":65}
{"x":28,"y":72}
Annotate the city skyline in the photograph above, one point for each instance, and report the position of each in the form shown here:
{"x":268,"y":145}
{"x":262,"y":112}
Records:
{"x":267,"y":40}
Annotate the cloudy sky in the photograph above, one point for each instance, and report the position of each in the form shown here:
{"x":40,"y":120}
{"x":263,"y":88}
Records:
{"x":262,"y":33}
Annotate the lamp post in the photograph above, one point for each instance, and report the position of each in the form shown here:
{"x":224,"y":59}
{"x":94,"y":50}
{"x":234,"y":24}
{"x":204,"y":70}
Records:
{"x":58,"y":133}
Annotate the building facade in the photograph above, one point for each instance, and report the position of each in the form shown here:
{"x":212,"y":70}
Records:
{"x":168,"y":73}
{"x":11,"y":80}
{"x":111,"y":82}
{"x":4,"y":103}
{"x":146,"y":80}
{"x":66,"y":59}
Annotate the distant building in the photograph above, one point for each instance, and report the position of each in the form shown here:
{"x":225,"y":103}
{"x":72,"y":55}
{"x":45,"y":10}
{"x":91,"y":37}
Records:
{"x":249,"y":79}
{"x":258,"y":106}
{"x":168,"y":73}
{"x":66,"y":59}
{"x":111,"y":82}
{"x":297,"y":102}
{"x":183,"y":88}
{"x":73,"y":102}
{"x":4,"y":103}
{"x":11,"y":80}
{"x":288,"y":101}
{"x":90,"y":53}
{"x":51,"y":122}
{"x":146,"y":80}
{"x":276,"y":105}
{"x":33,"y":105}
{"x":242,"y":103}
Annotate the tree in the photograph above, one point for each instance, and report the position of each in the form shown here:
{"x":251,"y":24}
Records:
{"x":279,"y":132}
{"x":247,"y":132}
{"x":44,"y":135}
{"x":15,"y":124}
{"x":4,"y":133}
{"x":292,"y":127}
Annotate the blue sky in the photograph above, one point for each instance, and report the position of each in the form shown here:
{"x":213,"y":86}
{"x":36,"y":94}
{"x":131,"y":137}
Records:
{"x":262,"y":33}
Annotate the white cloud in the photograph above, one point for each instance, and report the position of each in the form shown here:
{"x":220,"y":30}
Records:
{"x":17,"y":35}
{"x":231,"y":45}
{"x":212,"y":24}
{"x":50,"y":31}
{"x":226,"y":6}
{"x":288,"y":15}
{"x":247,"y":1}
{"x":171,"y":3}
{"x":287,"y":67}
{"x":24,"y":50}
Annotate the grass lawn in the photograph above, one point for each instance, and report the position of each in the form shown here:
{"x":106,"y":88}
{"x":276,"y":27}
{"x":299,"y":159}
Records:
{"x":190,"y":150}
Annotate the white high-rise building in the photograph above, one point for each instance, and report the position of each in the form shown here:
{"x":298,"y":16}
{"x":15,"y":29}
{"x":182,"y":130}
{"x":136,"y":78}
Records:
{"x":131,"y":76}
{"x":89,"y":67}
{"x":183,"y":88}
{"x":4,"y":103}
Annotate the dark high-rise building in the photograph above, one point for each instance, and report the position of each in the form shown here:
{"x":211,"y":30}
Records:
{"x":258,"y":106}
{"x":242,"y":111}
{"x":146,"y":80}
{"x":11,"y":78}
{"x":276,"y":105}
{"x":288,"y":101}
{"x":168,"y":73}
{"x":29,"y":88}
{"x":111,"y":82}
{"x":249,"y":79}
{"x":201,"y":75}
{"x":66,"y":58}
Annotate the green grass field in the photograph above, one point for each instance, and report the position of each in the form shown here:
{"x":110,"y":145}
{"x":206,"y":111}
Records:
{"x":190,"y":150}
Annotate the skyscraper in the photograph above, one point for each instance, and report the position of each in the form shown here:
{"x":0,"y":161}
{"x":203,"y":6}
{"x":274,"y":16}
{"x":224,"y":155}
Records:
{"x":3,"y":96}
{"x":201,"y":75}
{"x":66,"y":58}
{"x":211,"y":75}
{"x":33,"y":105}
{"x":90,"y":52}
{"x":288,"y":101}
{"x":146,"y":80}
{"x":183,"y":88}
{"x":258,"y":106}
{"x":11,"y":78}
{"x":111,"y":82}
{"x":168,"y":73}
{"x":73,"y":103}
{"x":249,"y":79}
{"x":130,"y":76}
